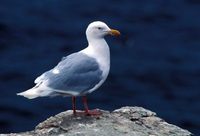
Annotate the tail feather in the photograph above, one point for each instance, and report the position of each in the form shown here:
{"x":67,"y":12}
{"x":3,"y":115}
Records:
{"x":34,"y":93}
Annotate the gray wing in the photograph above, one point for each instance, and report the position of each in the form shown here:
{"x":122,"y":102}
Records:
{"x":77,"y":73}
{"x":44,"y":75}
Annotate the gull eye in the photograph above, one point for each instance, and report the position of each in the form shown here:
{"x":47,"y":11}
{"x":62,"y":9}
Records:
{"x":99,"y":28}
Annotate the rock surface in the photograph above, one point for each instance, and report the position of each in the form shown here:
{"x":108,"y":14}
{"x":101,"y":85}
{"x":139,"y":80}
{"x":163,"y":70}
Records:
{"x":126,"y":121}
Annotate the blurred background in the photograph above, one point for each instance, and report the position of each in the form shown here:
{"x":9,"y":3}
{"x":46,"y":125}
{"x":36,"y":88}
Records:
{"x":155,"y":64}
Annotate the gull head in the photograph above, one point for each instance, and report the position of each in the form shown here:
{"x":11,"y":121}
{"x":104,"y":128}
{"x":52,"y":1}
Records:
{"x":98,"y":30}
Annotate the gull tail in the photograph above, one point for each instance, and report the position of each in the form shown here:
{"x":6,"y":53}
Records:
{"x":35,"y":92}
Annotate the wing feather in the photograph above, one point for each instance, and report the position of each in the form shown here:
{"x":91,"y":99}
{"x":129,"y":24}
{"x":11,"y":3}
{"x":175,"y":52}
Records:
{"x":75,"y":73}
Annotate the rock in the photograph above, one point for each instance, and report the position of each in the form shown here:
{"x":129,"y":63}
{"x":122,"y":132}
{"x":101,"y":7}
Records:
{"x":126,"y":121}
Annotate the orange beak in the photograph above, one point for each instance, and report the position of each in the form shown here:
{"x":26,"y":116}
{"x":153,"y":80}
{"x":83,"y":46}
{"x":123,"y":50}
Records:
{"x":114,"y":32}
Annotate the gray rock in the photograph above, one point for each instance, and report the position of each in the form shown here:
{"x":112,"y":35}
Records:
{"x":126,"y":121}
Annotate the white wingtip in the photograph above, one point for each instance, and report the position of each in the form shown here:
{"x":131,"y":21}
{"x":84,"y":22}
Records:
{"x":36,"y":92}
{"x":30,"y":94}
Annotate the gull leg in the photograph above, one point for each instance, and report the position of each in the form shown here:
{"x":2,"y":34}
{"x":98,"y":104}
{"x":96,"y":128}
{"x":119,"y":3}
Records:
{"x":87,"y":111}
{"x":85,"y":104}
{"x":74,"y":104}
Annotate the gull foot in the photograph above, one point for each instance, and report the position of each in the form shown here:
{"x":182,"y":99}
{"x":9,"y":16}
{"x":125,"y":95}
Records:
{"x":93,"y":113}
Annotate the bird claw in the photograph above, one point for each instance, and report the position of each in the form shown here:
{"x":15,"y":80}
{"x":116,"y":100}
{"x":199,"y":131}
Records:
{"x":88,"y":113}
{"x":93,"y":113}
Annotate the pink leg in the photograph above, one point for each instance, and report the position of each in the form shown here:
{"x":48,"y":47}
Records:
{"x":87,"y":111}
{"x":85,"y":104}
{"x":74,"y":104}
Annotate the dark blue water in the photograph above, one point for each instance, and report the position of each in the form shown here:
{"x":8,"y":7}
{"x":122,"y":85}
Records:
{"x":155,"y":64}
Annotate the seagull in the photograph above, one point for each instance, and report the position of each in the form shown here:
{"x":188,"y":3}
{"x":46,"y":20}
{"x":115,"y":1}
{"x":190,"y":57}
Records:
{"x":80,"y":73}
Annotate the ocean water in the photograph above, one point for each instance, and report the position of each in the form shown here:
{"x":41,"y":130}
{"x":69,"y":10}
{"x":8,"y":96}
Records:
{"x":154,"y":64}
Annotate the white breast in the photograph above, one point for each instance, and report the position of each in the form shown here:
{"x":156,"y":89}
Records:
{"x":101,"y":52}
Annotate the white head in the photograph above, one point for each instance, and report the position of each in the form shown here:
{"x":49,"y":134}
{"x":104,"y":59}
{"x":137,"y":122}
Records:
{"x":98,"y":29}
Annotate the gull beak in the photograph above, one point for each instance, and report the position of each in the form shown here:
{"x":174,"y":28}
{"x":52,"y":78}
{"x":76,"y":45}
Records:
{"x":114,"y":32}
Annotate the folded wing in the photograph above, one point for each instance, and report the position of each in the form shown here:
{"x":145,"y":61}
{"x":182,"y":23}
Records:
{"x":76,"y":73}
